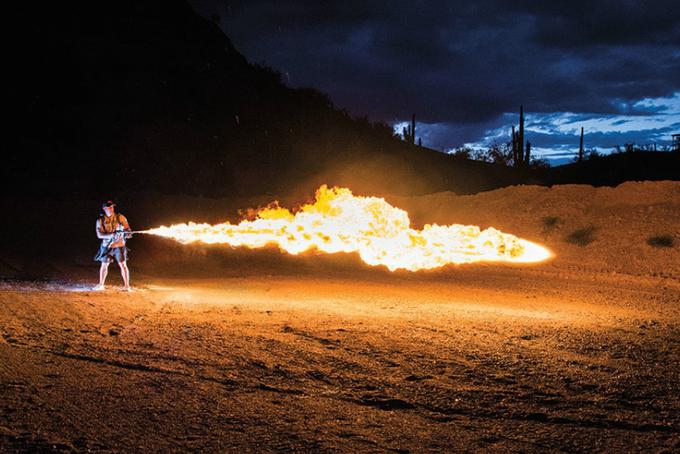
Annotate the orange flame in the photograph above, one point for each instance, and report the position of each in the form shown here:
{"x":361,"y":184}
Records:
{"x":339,"y":221}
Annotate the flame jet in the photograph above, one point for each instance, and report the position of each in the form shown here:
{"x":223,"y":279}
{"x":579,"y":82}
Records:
{"x":381,"y":234}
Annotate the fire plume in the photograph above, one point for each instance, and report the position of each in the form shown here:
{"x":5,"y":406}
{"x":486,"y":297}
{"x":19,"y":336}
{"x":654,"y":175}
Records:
{"x":381,"y":234}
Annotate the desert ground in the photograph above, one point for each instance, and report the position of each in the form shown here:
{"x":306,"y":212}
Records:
{"x":232,"y":350}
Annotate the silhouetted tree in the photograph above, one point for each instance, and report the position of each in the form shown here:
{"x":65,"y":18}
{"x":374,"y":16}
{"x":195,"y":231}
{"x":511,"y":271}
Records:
{"x":463,"y":152}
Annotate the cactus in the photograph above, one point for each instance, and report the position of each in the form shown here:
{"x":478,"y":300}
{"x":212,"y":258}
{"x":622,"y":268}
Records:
{"x":410,"y":132}
{"x":521,"y":152}
{"x":527,"y":154}
{"x":521,"y":135}
{"x":407,"y":133}
{"x":580,"y":147}
{"x":515,"y":155}
{"x":413,"y":129}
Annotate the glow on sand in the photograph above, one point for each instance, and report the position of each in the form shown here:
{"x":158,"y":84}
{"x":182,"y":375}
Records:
{"x":338,"y":221}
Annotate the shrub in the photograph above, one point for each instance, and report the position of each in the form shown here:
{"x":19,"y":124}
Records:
{"x":550,"y":223}
{"x":582,"y":237}
{"x":660,"y":241}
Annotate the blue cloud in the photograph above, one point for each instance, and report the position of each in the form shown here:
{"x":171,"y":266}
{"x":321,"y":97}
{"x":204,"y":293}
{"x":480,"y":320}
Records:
{"x":555,"y":136}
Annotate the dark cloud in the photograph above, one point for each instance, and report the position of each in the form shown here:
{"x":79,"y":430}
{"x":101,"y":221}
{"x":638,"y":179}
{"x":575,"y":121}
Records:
{"x":612,"y":22}
{"x":464,"y":64}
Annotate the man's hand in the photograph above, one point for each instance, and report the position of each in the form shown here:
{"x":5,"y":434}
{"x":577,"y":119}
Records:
{"x":122,"y":234}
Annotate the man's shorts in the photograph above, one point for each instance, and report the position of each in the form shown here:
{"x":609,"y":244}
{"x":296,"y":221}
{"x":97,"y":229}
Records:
{"x":108,"y":255}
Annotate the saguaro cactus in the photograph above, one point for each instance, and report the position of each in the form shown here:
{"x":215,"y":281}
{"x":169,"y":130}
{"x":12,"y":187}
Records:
{"x":521,"y":135}
{"x":521,"y":153}
{"x":409,"y":131}
{"x":527,"y":154}
{"x":406,"y":132}
{"x":515,"y":155}
{"x":580,"y":147}
{"x":413,"y":129}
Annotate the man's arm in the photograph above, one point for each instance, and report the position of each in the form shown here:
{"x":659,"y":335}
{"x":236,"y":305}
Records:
{"x":101,"y":234}
{"x":124,"y":222}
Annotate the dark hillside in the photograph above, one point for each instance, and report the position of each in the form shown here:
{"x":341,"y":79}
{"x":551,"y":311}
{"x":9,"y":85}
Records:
{"x":146,"y":95}
{"x":617,"y":168}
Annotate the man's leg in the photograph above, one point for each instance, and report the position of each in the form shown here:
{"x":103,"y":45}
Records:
{"x":125,"y":273}
{"x":103,"y":272}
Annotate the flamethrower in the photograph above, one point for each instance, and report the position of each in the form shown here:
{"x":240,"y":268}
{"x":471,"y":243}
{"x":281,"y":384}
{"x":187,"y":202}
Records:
{"x":126,"y":233}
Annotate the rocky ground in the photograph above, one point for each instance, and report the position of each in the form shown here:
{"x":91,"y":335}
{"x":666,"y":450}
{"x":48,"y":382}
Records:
{"x":260,"y":352}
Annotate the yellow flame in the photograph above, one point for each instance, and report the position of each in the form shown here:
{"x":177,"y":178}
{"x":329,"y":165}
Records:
{"x":339,"y":221}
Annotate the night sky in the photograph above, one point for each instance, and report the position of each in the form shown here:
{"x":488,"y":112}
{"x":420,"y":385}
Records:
{"x":465,"y":67}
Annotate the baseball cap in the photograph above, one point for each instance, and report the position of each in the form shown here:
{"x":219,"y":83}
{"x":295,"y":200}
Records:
{"x":109,"y":203}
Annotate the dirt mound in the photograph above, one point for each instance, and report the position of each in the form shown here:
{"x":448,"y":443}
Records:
{"x":633,"y":228}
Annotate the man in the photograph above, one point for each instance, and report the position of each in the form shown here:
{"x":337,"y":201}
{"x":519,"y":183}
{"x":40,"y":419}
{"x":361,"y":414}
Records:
{"x":112,"y":228}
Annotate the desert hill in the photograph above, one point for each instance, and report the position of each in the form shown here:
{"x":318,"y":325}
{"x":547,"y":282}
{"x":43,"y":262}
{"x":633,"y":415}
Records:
{"x":146,"y":95}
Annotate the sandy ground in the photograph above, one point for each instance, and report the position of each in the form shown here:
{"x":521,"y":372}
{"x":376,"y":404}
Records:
{"x":324,"y":354}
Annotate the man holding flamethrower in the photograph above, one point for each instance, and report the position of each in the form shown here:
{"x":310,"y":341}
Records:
{"x":113,"y":229}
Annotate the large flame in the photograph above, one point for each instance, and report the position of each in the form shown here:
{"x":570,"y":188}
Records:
{"x":339,"y":221}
